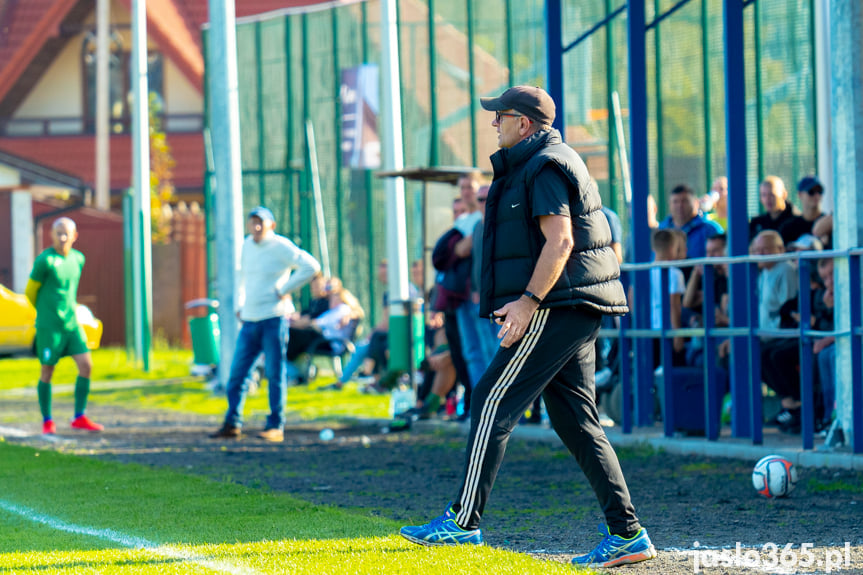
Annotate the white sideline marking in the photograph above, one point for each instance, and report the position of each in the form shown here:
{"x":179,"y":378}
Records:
{"x":125,"y":540}
{"x":12,"y":432}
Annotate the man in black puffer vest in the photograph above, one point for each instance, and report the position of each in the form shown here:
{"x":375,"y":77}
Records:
{"x":548,"y":276}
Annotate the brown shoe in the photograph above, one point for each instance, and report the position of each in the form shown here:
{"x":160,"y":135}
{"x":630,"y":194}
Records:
{"x":275,"y":435}
{"x":227,"y":432}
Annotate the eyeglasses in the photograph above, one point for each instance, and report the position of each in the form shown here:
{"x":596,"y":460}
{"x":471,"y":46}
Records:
{"x":499,"y":115}
{"x":816,"y":191}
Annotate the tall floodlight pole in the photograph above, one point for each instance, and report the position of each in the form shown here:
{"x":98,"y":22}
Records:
{"x":846,"y":17}
{"x":225,"y":127}
{"x":143,"y":287}
{"x":103,"y":143}
{"x":392,"y":158}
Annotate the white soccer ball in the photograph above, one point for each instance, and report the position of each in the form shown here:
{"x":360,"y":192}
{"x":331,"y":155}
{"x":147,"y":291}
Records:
{"x":774,"y":476}
{"x":326,"y":434}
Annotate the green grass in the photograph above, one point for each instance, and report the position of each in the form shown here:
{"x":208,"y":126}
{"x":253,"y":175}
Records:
{"x":306,"y":402}
{"x":816,"y":485}
{"x":109,"y":364}
{"x":196,"y":524}
{"x":168,"y":386}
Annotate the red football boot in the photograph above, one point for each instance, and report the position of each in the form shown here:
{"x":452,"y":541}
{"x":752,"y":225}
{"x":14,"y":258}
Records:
{"x":86,"y":424}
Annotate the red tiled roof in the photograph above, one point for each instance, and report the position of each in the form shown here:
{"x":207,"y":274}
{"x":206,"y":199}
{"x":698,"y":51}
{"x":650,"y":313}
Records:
{"x":171,"y":30}
{"x":174,"y":24}
{"x":75,"y":155}
{"x":25,"y":26}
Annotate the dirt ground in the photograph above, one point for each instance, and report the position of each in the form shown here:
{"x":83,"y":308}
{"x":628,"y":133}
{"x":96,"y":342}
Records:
{"x":541,"y":502}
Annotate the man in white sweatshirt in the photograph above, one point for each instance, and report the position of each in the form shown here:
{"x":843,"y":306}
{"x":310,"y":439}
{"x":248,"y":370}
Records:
{"x":271,"y":267}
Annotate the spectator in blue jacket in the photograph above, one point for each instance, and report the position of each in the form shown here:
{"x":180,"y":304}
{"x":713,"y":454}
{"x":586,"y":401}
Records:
{"x":684,"y":215}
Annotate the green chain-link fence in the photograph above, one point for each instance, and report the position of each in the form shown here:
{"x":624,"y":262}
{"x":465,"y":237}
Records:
{"x":290,"y":69}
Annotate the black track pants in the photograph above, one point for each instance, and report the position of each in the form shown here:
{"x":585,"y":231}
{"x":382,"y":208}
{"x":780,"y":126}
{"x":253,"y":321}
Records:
{"x":555,"y":358}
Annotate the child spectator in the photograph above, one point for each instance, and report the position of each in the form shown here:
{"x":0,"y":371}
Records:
{"x":667,"y":246}
{"x":777,"y":284}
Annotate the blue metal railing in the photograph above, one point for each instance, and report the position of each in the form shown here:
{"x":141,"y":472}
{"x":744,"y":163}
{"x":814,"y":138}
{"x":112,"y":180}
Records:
{"x":638,"y":388}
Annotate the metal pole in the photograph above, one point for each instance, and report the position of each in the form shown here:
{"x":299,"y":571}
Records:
{"x":128,"y":273}
{"x":611,"y":88}
{"x":847,"y":128}
{"x":306,"y":206}
{"x":640,"y":182}
{"x":368,"y":188}
{"x":471,"y":83}
{"x":319,"y":203}
{"x":289,"y":126}
{"x":554,"y":60}
{"x":337,"y":176}
{"x":705,"y":66}
{"x":823,"y":79}
{"x":434,"y":134}
{"x":660,"y":133}
{"x":759,"y":94}
{"x":738,"y":228}
{"x":103,"y":89}
{"x":141,"y":178}
{"x":225,"y":128}
{"x":259,"y":104}
{"x":399,"y":312}
{"x":510,"y":50}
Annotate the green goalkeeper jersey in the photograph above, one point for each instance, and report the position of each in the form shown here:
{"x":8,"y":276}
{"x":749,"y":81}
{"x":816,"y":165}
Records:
{"x":58,"y":295}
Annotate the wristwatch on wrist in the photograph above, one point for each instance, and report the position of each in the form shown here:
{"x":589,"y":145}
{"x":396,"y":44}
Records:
{"x":533,"y":296}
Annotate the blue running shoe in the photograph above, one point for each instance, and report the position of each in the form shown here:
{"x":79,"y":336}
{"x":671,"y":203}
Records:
{"x":441,"y":530}
{"x":614,"y":550}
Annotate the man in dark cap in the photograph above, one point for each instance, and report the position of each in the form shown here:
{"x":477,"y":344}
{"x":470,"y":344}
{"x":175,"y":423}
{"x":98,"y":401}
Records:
{"x":809,"y":192}
{"x":271,"y":267}
{"x":549,"y":274}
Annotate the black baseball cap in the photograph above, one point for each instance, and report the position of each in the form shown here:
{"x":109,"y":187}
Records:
{"x":532,"y":101}
{"x":263,"y":213}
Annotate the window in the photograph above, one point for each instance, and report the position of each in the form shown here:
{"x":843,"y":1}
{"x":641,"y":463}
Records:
{"x":120,"y":78}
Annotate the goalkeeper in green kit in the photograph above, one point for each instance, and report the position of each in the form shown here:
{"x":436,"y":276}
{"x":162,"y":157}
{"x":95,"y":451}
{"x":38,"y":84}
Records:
{"x":53,"y":291}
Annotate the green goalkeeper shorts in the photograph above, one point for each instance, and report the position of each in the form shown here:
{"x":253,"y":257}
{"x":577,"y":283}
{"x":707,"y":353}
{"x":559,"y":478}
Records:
{"x":51,"y":344}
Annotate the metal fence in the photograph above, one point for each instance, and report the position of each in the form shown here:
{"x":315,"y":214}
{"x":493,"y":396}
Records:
{"x":454,"y":51}
{"x":637,"y":394}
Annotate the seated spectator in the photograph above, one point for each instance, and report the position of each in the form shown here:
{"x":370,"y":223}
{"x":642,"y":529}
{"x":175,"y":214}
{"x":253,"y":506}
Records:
{"x":335,"y":324}
{"x":715,"y":203}
{"x":666,"y":246}
{"x":784,"y":360}
{"x":777,"y":284}
{"x":374,"y":349}
{"x":809,"y":192}
{"x":824,"y":347}
{"x":823,"y":230}
{"x":685,"y":216}
{"x":693,"y":298}
{"x":777,"y":208}
{"x":320,"y":297}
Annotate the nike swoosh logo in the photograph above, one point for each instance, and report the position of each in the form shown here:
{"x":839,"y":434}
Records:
{"x":515,"y":205}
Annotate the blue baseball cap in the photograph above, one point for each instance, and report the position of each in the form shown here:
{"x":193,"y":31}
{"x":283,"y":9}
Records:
{"x":808,"y":183}
{"x":263,"y":213}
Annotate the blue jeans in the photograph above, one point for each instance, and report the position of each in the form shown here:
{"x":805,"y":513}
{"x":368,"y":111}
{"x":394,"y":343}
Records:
{"x":827,"y":373}
{"x":357,"y":358}
{"x":270,"y":337}
{"x":479,"y":340}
